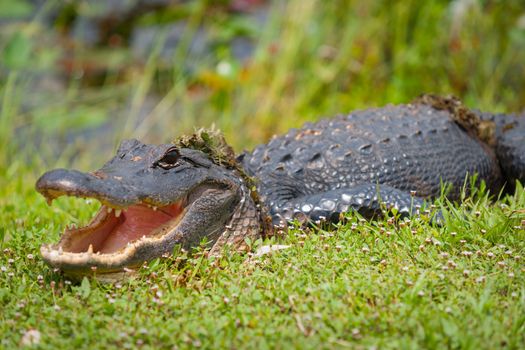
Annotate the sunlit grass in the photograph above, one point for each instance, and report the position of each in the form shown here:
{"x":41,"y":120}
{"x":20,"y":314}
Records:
{"x":383,"y":283}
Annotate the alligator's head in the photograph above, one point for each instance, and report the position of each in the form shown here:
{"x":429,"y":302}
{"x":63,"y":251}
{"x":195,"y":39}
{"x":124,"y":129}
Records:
{"x":154,"y":197}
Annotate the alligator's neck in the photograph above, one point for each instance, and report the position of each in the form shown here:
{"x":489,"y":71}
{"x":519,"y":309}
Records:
{"x":250,"y":220}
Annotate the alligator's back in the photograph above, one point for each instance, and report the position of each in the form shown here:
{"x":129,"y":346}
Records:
{"x":407,"y":147}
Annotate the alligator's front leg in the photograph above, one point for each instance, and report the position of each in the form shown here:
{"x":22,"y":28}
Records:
{"x":367,"y":199}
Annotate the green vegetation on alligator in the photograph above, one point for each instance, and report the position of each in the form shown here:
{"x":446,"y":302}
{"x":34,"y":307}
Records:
{"x":212,"y":143}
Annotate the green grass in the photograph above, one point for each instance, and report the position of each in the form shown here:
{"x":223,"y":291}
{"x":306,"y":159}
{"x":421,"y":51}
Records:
{"x":358,"y":285}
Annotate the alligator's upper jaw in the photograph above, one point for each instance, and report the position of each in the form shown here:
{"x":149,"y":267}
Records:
{"x":121,"y":235}
{"x":107,"y":189}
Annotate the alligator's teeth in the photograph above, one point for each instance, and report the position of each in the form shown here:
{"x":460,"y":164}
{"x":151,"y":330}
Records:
{"x":143,"y":237}
{"x":90,"y":249}
{"x":118,"y":212}
{"x":110,"y":210}
{"x":60,"y":250}
{"x":154,"y":208}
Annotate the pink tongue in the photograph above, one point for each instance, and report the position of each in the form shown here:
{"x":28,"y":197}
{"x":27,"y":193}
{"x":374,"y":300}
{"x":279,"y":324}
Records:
{"x":136,"y":221}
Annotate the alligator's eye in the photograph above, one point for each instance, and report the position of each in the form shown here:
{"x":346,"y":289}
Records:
{"x":169,"y":160}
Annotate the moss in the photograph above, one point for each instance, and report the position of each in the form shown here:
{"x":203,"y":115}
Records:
{"x":211,"y":142}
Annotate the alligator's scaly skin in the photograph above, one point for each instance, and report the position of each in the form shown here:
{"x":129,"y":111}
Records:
{"x":349,"y":162}
{"x":393,"y":157}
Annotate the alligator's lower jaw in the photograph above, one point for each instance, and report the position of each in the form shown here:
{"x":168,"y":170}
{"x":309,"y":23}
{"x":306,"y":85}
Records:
{"x":115,"y":241}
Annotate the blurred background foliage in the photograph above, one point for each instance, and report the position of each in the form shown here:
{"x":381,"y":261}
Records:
{"x":76,"y":77}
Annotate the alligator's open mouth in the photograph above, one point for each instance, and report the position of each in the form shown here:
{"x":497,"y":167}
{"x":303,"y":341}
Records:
{"x":112,"y":230}
{"x":113,"y":236}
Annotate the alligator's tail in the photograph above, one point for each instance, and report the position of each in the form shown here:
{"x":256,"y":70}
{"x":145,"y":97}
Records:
{"x":510,"y":144}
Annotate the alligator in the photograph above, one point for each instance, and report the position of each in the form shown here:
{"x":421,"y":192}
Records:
{"x":196,"y":191}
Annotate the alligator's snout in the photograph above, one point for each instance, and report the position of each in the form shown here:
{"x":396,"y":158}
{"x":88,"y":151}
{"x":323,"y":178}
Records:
{"x":153,"y":198}
{"x":60,"y":182}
